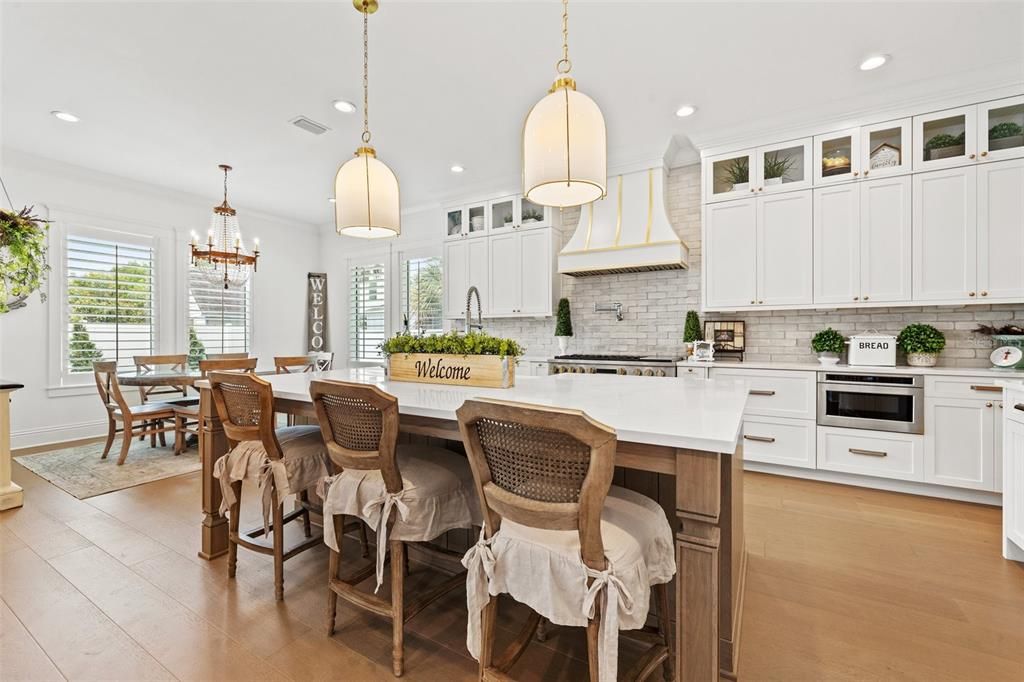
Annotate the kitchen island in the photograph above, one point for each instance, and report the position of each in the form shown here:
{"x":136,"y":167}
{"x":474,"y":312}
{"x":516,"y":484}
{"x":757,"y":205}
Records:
{"x":689,"y":430}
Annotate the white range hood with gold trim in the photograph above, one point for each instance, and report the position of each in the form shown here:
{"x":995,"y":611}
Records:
{"x":627,"y":231}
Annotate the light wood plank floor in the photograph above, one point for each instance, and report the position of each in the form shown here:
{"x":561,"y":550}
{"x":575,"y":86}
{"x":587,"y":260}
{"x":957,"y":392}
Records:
{"x":843,"y":584}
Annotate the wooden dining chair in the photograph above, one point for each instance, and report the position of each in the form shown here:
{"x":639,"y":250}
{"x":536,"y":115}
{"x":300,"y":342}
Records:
{"x":187,"y":419}
{"x":543,"y":478}
{"x":288,"y":364}
{"x":227,"y":365}
{"x":149,"y":417}
{"x":147,"y":364}
{"x":406,"y":492}
{"x":226,"y":356}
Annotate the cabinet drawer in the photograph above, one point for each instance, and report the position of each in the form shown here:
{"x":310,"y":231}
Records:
{"x":979,"y":388}
{"x":692,"y":372}
{"x":776,"y":393}
{"x":871,"y":453}
{"x":779,"y":441}
{"x":539,"y":368}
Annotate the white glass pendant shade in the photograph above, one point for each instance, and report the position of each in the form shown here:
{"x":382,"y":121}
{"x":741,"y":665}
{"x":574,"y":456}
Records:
{"x":366,"y":198}
{"x":565,"y":154}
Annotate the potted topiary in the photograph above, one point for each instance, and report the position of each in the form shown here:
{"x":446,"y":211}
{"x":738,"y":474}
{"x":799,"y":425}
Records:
{"x":828,"y":344}
{"x":23,"y":265}
{"x":692,"y":331}
{"x":737,"y":174}
{"x":944,"y":145}
{"x":563,"y":326}
{"x":1006,"y":135}
{"x":922,"y":343}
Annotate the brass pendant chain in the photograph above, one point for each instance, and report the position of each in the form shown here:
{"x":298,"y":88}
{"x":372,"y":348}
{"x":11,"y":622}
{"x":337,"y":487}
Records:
{"x":564,"y":65}
{"x":366,"y":72}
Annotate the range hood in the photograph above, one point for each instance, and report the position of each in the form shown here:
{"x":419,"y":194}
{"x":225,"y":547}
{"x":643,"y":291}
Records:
{"x":627,"y":231}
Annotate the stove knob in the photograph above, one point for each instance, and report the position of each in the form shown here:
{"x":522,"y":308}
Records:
{"x":636,"y":372}
{"x":591,"y":370}
{"x":648,"y":373}
{"x":560,"y":369}
{"x":660,"y":373}
{"x":620,"y":370}
{"x":581,"y":370}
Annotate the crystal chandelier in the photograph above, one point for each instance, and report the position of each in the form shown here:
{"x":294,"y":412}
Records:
{"x":224,"y":259}
{"x":565,"y":150}
{"x":366,"y":200}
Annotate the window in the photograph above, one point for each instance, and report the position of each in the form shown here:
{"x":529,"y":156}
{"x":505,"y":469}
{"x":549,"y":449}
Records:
{"x":219,"y":319}
{"x":110,"y":302}
{"x":366,"y":312}
{"x":420,"y":295}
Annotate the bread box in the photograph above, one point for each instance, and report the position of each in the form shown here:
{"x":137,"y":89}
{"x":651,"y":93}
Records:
{"x":872,"y":350}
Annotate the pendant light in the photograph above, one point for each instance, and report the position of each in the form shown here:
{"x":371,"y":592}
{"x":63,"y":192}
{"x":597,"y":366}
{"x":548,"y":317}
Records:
{"x":224,"y":260}
{"x":565,"y":154}
{"x":365,"y":190}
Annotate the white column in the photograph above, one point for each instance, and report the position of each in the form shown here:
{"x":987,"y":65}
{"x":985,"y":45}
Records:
{"x":10,"y":492}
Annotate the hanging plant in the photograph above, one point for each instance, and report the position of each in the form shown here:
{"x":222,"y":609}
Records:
{"x":23,"y":265}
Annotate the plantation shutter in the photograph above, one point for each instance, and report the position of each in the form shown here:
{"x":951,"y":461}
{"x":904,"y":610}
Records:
{"x":421,"y":295}
{"x":366,"y":312}
{"x":219,"y":319}
{"x":109,"y":302}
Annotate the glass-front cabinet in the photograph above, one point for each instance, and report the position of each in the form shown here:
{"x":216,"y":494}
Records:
{"x":837,"y":156}
{"x":465,"y":221}
{"x":517,"y":213}
{"x":784,"y":167}
{"x":944,"y":139}
{"x":885,"y":149}
{"x":503,"y":213}
{"x":1001,"y":129}
{"x":454,"y":219}
{"x":728,"y":176}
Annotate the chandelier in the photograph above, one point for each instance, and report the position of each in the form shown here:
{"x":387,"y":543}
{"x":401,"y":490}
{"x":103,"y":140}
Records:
{"x":565,"y":152}
{"x":224,"y":259}
{"x":366,"y":200}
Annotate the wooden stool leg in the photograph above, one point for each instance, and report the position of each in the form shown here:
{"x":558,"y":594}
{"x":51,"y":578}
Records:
{"x":334,"y":573}
{"x":665,"y":625}
{"x":487,"y":621}
{"x":179,"y":434}
{"x":151,"y":425}
{"x":233,"y":520}
{"x":278,"y":546}
{"x":362,"y":538}
{"x":111,"y":432}
{"x":126,"y":442}
{"x":593,"y":633}
{"x":306,"y":527}
{"x":162,"y":434}
{"x":397,"y":607}
{"x":542,"y":630}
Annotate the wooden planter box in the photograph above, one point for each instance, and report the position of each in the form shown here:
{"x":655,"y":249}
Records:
{"x":488,"y":371}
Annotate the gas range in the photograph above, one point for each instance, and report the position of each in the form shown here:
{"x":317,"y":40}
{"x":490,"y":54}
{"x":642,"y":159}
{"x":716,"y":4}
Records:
{"x":636,"y":365}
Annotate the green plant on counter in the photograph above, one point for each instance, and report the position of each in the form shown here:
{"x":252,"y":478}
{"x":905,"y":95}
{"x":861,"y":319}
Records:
{"x":1007,"y":129}
{"x":692,"y":330}
{"x":452,"y":343}
{"x":828,"y":341}
{"x":563,"y":321}
{"x":738,"y":171}
{"x":774,"y":167}
{"x":23,"y":265}
{"x":943,"y":140}
{"x":921,"y":338}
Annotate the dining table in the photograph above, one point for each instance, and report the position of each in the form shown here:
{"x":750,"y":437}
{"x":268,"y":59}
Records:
{"x":685,"y":432}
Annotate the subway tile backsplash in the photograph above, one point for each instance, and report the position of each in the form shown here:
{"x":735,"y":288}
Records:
{"x":655,"y":305}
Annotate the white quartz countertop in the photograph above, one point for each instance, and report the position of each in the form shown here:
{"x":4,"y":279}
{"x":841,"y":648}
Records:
{"x":989,"y":372}
{"x":688,"y":413}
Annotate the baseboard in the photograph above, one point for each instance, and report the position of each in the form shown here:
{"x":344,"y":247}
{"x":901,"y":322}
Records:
{"x":908,"y":487}
{"x":56,"y":436}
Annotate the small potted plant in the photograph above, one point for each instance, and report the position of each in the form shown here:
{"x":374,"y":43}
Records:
{"x":1005,"y":135}
{"x":828,"y":344}
{"x":507,"y":220}
{"x":563,"y":326}
{"x":737,"y":174}
{"x":23,"y":265}
{"x":922,"y":343}
{"x":775,"y":169}
{"x":944,"y":145}
{"x":532,"y":215}
{"x":692,"y":331}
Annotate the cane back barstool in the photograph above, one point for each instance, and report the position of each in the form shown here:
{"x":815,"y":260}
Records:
{"x":283,"y":461}
{"x":407,"y":493}
{"x":561,"y":539}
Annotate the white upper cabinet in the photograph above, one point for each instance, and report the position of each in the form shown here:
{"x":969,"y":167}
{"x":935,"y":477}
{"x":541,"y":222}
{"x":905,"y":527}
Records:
{"x":837,"y":244}
{"x":535,"y":253}
{"x":945,"y":234}
{"x":944,"y":139}
{"x":886,"y":253}
{"x":785,"y":249}
{"x":1001,"y":230}
{"x":783,"y":167}
{"x":465,"y":265}
{"x":886,"y":149}
{"x":469,"y":220}
{"x":728,"y":176}
{"x":837,"y":156}
{"x":504,"y":288}
{"x":730,"y":253}
{"x":519,"y":267}
{"x":1001,"y":129}
{"x":516,"y":213}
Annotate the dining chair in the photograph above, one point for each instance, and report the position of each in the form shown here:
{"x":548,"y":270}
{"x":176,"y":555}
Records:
{"x":282,"y":461}
{"x":147,"y":364}
{"x":324,"y":360}
{"x":551,"y":517}
{"x":406,"y":492}
{"x":150,"y":417}
{"x":187,"y":419}
{"x":226,"y":356}
{"x":287,"y":364}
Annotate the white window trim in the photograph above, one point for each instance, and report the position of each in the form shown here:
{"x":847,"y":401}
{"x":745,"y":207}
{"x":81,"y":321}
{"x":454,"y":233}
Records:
{"x":395,"y":280}
{"x":382,"y":256}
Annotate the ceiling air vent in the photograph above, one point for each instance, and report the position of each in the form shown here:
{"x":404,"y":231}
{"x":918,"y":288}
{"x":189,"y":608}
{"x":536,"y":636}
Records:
{"x":309,"y":125}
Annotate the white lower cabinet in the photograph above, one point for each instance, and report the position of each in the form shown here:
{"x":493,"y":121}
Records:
{"x":779,"y":441}
{"x":465,"y":265}
{"x":960,"y":442}
{"x":1013,"y":495}
{"x":871,"y":453}
{"x":775,"y":392}
{"x":692,"y":372}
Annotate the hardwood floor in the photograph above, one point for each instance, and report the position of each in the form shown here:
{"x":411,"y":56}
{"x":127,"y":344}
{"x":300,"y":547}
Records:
{"x":843,"y":584}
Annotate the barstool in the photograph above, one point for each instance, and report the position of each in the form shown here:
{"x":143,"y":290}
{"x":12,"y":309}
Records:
{"x":282,"y":461}
{"x":560,"y":538}
{"x":406,"y":493}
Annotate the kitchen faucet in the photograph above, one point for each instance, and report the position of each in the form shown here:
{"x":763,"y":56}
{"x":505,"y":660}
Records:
{"x":479,"y":311}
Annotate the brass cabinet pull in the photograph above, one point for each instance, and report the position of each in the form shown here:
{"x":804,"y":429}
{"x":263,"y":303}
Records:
{"x":994,"y":389}
{"x":1019,"y":406}
{"x":869,"y":453}
{"x":856,"y":173}
{"x":971,"y":293}
{"x":856,"y":298}
{"x":760,"y":439}
{"x":971,"y":156}
{"x":865,"y":298}
{"x":988,"y":404}
{"x":865,"y":174}
{"x":984,"y":293}
{"x":757,"y":392}
{"x":984,"y":153}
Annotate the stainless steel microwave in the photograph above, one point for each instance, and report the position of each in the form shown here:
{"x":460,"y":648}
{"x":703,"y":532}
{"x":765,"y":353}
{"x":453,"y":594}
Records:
{"x":879,"y":402}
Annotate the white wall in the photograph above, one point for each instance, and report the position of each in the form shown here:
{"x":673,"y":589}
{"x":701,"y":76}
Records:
{"x":288,"y":251}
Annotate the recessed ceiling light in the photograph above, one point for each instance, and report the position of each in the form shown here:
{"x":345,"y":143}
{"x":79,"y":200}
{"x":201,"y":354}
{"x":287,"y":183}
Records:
{"x":65,"y":116}
{"x":873,"y":62}
{"x":332,"y":200}
{"x":344,"y":106}
{"x":686,"y":110}
{"x":457,"y":168}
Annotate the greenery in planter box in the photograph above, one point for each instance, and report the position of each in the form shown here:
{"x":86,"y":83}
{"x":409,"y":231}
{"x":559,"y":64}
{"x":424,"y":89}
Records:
{"x":1007,"y":129}
{"x":943,"y":140}
{"x":774,"y":167}
{"x":828,"y":341}
{"x":563,"y":321}
{"x":452,"y":343}
{"x":921,"y":338}
{"x":692,"y":330}
{"x":23,"y":265}
{"x":738,"y":171}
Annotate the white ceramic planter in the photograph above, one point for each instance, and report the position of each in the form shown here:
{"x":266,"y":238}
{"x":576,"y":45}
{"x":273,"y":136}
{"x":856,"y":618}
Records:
{"x":828,"y":359}
{"x":741,"y":187}
{"x":563,"y":344}
{"x":922,"y":359}
{"x":773,"y":181}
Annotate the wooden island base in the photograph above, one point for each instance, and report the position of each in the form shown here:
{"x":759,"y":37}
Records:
{"x":706,"y":496}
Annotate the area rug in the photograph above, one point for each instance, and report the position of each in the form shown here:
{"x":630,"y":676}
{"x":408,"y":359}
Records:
{"x":80,"y":471}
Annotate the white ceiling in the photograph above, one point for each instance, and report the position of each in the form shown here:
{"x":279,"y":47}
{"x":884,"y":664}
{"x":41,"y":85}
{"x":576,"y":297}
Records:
{"x":167,"y":90}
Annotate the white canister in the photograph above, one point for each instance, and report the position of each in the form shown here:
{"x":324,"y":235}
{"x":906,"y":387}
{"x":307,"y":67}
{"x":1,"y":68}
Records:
{"x":872,"y":350}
